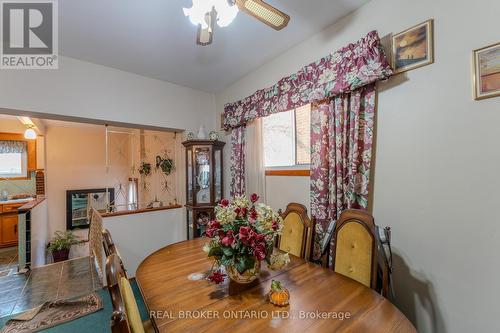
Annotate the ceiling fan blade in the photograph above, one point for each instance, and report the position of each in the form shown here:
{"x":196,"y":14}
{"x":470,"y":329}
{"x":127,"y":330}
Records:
{"x":204,"y":36}
{"x":264,"y":12}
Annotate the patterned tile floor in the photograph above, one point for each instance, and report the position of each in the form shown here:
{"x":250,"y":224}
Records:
{"x":8,"y":261}
{"x":62,"y":280}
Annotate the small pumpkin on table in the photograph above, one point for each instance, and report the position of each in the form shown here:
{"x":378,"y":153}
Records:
{"x":278,"y":295}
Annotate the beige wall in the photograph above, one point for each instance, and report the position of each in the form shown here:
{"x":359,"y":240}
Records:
{"x":436,"y":179}
{"x":75,"y":160}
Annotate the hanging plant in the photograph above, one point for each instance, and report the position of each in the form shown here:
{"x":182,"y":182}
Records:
{"x":165,"y":164}
{"x":145,"y":169}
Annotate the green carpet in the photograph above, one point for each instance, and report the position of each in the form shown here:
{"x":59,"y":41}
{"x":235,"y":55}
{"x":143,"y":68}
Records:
{"x":94,"y":322}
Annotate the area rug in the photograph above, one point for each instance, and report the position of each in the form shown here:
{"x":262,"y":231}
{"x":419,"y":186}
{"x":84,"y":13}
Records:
{"x":53,"y":313}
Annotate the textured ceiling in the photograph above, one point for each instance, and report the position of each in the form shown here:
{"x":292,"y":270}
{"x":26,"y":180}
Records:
{"x":153,"y":38}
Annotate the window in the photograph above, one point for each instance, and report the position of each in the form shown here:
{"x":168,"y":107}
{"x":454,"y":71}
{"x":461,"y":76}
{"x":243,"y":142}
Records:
{"x":13,"y":165}
{"x":13,"y":159}
{"x":287,"y":138}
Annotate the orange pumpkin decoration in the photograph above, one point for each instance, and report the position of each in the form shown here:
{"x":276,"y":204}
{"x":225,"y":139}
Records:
{"x":278,"y":295}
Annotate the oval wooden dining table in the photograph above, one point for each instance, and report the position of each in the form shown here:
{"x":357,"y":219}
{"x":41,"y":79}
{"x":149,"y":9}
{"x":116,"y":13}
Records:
{"x":320,"y":299}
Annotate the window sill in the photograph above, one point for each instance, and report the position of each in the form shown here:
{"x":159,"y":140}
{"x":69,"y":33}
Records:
{"x":289,"y":172}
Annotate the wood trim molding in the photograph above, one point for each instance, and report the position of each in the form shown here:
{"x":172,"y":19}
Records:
{"x":297,"y":173}
{"x":138,"y":211}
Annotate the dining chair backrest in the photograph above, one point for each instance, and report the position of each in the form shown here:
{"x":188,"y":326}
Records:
{"x":96,"y":241}
{"x":355,"y":247}
{"x":325,"y":244}
{"x":110,"y":247}
{"x":114,"y":273}
{"x":297,"y":234}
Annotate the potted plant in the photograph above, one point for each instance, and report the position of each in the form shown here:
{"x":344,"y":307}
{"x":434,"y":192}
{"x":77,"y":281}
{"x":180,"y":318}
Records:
{"x":241,"y":237}
{"x":61,"y":243}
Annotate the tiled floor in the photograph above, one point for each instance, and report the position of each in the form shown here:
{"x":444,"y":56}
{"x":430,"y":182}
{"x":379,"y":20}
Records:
{"x":68,"y":279}
{"x":8,"y":261}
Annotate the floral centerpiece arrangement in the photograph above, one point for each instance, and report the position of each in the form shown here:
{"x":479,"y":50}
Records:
{"x":242,"y":236}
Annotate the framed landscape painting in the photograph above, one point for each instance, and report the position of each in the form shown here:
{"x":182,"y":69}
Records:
{"x":487,"y":72}
{"x":413,"y":47}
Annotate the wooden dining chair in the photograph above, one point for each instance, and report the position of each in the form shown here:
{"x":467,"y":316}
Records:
{"x":354,"y":251}
{"x":95,"y":242}
{"x":297,"y":233}
{"x":125,"y":317}
{"x":110,"y":248}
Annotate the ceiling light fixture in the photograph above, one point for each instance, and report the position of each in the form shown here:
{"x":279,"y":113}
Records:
{"x":204,"y":14}
{"x":30,"y":133}
{"x":224,"y":11}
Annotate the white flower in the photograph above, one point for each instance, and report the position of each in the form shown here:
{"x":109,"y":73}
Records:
{"x":336,"y":57}
{"x":327,"y":76}
{"x":285,"y":86}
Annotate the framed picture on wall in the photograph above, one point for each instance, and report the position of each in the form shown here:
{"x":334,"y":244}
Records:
{"x":487,"y":72}
{"x":78,"y":203}
{"x":413,"y":47}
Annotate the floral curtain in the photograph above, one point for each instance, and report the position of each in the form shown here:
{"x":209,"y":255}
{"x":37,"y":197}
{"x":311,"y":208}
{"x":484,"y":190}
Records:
{"x":357,"y":65}
{"x":10,"y":146}
{"x":341,"y":154}
{"x":346,"y":70}
{"x":238,"y":161}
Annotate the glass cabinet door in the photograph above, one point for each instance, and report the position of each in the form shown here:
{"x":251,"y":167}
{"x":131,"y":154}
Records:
{"x":190,"y":226}
{"x":202,"y":156}
{"x":218,"y":175}
{"x":189,"y":171}
{"x":202,"y":219}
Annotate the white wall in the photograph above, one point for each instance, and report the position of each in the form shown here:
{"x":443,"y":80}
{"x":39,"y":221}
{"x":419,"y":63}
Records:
{"x":82,"y":89}
{"x":281,"y":190}
{"x":39,"y":233}
{"x":139,"y":235}
{"x":437,"y":157}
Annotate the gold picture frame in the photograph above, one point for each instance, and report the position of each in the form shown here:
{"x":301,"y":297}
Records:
{"x":413,"y":48}
{"x":486,"y":72}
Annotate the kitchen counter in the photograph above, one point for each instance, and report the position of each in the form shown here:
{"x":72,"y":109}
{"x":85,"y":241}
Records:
{"x":6,"y":202}
{"x":29,"y":205}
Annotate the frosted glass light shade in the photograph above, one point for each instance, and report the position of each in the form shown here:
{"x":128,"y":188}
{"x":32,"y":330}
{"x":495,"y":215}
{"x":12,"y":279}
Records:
{"x":30,"y":134}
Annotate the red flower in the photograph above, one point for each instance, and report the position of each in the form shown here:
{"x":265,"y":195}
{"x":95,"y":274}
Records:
{"x":253,"y":214}
{"x":217,"y":277}
{"x":224,"y":202}
{"x":260,"y":252}
{"x":275,"y":225}
{"x":228,"y":240}
{"x":254,"y":197}
{"x":245,"y":234}
{"x":212,"y":228}
{"x":258,"y":239}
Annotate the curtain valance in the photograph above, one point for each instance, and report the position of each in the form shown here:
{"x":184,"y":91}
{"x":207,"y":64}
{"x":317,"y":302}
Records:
{"x":348,"y":69}
{"x":9,"y":146}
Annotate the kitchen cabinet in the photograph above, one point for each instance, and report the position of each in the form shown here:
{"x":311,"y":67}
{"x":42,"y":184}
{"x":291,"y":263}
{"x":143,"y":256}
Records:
{"x":9,"y":233}
{"x":9,"y":230}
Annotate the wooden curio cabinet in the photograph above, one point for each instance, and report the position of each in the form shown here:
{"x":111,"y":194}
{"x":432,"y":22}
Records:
{"x":204,"y":187}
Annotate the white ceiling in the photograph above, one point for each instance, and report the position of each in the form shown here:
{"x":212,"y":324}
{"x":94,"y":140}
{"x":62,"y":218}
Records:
{"x":153,"y":38}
